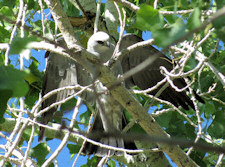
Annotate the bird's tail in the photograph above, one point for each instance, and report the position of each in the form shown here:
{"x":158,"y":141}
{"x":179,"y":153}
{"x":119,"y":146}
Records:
{"x":41,"y":134}
{"x":90,"y":148}
{"x":100,"y":151}
{"x":45,"y":118}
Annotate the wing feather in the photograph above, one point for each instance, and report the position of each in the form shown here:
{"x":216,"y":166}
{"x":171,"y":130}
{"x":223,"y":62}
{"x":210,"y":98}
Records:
{"x":151,"y":75}
{"x":61,"y":72}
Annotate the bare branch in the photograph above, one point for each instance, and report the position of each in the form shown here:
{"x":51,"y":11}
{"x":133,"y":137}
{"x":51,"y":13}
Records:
{"x":60,"y":102}
{"x":97,"y":16}
{"x":42,"y":17}
{"x":66,"y":137}
{"x":218,"y":74}
{"x":135,"y":8}
{"x":167,"y":103}
{"x":128,"y":5}
{"x":199,"y":133}
{"x":63,"y":23}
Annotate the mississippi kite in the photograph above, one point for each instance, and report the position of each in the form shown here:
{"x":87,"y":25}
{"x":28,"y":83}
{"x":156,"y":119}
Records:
{"x":110,"y":117}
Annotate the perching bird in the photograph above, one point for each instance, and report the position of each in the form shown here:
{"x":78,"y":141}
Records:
{"x":110,"y":117}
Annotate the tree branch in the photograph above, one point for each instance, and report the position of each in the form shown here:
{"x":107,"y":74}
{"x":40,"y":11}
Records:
{"x":76,"y":136}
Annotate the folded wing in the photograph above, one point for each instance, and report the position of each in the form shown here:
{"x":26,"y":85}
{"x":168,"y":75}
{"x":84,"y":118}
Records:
{"x":151,"y":75}
{"x":60,"y":72}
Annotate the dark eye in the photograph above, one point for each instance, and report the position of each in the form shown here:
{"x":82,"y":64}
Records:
{"x":100,"y":42}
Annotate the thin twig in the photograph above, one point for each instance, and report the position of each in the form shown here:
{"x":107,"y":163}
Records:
{"x":84,"y":142}
{"x":155,"y":4}
{"x":42,"y":17}
{"x":56,"y":103}
{"x":98,"y":11}
{"x":66,"y":137}
{"x":169,"y":104}
{"x":198,"y":114}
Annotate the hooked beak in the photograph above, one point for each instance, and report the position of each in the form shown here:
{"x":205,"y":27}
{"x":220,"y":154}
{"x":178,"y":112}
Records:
{"x":107,"y":44}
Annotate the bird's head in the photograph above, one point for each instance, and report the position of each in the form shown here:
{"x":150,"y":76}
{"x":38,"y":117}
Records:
{"x":99,"y":45}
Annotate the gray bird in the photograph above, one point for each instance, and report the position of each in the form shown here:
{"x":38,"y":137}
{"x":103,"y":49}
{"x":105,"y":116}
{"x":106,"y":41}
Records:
{"x":110,"y":117}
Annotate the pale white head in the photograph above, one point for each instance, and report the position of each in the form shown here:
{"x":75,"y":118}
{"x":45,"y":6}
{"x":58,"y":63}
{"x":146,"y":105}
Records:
{"x":99,"y":45}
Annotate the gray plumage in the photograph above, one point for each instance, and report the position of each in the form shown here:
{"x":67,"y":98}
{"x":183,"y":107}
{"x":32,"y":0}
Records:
{"x":110,"y":111}
{"x":151,"y":75}
{"x":60,"y":72}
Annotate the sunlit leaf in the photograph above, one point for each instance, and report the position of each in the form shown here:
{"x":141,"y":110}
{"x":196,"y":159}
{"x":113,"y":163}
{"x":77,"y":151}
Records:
{"x":84,"y":118}
{"x":12,"y":85}
{"x":149,"y":18}
{"x":39,"y":152}
{"x":194,"y":20}
{"x":167,"y":36}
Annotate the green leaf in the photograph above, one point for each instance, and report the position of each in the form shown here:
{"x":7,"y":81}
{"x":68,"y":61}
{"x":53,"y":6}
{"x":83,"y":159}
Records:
{"x":167,"y":36}
{"x":13,"y":80}
{"x":190,"y":131}
{"x":217,"y":128}
{"x":4,"y":35}
{"x":37,"y":25}
{"x":191,"y":63}
{"x":209,"y":110}
{"x":171,"y":19}
{"x":12,"y":85}
{"x":219,"y":23}
{"x":195,"y":19}
{"x":184,"y":3}
{"x":27,"y":133}
{"x":21,"y":44}
{"x":93,"y":162}
{"x":198,"y":157}
{"x":69,"y":105}
{"x":70,"y":9}
{"x":39,"y":152}
{"x":9,"y":3}
{"x":31,"y":4}
{"x":34,"y":79}
{"x":221,"y":33}
{"x":73,"y":148}
{"x":136,"y":128}
{"x":111,"y":163}
{"x":176,"y":127}
{"x":4,"y":97}
{"x":5,"y":10}
{"x":164,"y":119}
{"x":84,"y":118}
{"x":220,"y":3}
{"x":149,"y":18}
{"x":30,"y":78}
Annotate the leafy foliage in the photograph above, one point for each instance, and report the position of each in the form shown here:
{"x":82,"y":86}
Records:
{"x":39,"y":152}
{"x":170,"y":23}
{"x":12,"y":85}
